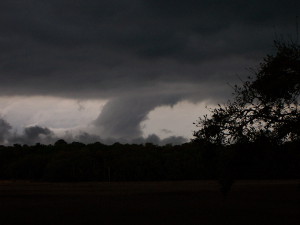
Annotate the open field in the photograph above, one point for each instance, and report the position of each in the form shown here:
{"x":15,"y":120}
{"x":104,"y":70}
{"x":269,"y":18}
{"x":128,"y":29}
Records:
{"x":157,"y":203}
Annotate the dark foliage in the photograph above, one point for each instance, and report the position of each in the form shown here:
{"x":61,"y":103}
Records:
{"x":265,"y":106}
{"x":260,"y":127}
{"x":118,"y":162}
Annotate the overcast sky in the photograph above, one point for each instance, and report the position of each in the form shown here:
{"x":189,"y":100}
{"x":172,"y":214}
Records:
{"x":127,"y":70}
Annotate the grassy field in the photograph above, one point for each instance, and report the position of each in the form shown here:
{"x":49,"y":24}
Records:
{"x":157,"y":203}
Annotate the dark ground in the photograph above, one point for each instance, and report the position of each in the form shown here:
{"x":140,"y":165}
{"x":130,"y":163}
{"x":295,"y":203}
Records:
{"x":157,"y":203}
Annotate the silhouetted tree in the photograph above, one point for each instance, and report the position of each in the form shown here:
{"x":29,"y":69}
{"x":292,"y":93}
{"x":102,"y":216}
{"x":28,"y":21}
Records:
{"x":265,"y":106}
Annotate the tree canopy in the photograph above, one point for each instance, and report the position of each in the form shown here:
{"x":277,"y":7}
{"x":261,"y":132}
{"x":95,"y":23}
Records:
{"x":264,"y":106}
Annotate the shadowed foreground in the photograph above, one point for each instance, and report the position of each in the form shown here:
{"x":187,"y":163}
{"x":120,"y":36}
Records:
{"x":184,"y":202}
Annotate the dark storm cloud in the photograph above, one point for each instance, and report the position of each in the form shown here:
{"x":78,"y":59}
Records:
{"x":87,"y":138}
{"x":35,"y":131}
{"x":32,"y":135}
{"x":37,"y":134}
{"x":146,"y":48}
{"x":154,"y":139}
{"x":54,"y":47}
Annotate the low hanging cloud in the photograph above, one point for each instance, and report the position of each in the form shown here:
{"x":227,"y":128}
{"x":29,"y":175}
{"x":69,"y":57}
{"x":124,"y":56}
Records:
{"x":36,"y":134}
{"x":122,"y":117}
{"x":87,"y":138}
{"x":4,"y":131}
{"x":32,"y":135}
{"x":35,"y":131}
{"x":154,"y":139}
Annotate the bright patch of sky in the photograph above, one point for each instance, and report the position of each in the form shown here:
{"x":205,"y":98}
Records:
{"x":176,"y":120}
{"x":61,"y":115}
{"x":58,"y":114}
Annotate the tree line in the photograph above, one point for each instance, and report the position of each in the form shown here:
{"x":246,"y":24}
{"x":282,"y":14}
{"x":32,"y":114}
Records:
{"x":75,"y":161}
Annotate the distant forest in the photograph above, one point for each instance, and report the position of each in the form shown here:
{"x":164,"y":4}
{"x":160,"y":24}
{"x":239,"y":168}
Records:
{"x":130,"y":162}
